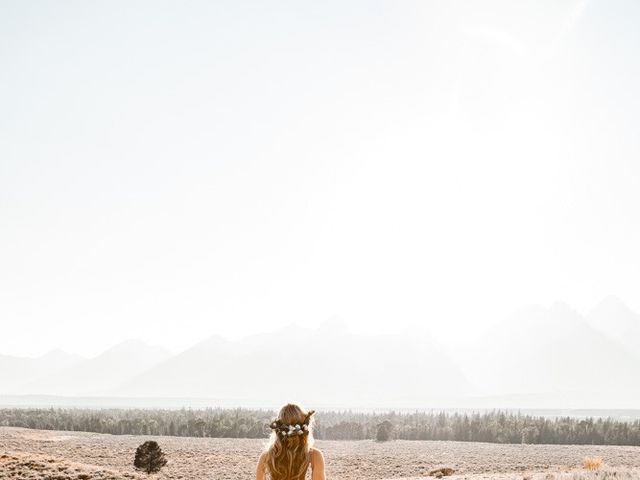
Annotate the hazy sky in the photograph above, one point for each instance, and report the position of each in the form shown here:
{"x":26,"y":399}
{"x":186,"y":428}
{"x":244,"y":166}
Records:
{"x":170,"y":170}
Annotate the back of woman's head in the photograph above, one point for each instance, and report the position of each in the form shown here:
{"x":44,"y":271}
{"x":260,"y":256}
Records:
{"x":288,"y":455}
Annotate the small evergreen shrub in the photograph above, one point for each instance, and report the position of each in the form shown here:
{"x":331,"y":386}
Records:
{"x":149,"y":457}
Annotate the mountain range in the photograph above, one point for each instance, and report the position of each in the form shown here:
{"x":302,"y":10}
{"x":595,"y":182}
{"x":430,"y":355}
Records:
{"x":537,"y":356}
{"x":558,"y":353}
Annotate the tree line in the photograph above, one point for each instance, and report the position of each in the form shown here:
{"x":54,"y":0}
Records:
{"x":492,"y":426}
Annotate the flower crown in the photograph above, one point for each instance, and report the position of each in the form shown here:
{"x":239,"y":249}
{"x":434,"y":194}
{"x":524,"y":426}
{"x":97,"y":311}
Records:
{"x":285,"y":430}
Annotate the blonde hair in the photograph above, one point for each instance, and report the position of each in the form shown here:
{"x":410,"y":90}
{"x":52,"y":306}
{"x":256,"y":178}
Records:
{"x":289,"y":457}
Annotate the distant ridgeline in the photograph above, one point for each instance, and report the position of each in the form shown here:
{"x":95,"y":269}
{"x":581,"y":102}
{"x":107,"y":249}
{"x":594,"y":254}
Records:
{"x":494,"y":427}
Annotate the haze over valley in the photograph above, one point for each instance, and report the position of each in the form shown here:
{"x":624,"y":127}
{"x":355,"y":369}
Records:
{"x":536,"y":358}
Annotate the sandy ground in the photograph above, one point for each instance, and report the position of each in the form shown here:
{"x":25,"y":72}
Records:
{"x":35,"y":454}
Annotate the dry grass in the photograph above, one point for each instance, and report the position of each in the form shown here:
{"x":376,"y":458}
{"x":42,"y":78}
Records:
{"x":34,"y":466}
{"x":606,"y":474}
{"x":32,"y":454}
{"x":592,"y":463}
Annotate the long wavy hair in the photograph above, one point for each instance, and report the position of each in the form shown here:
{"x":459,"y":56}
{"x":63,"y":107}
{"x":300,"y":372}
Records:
{"x":288,"y":456}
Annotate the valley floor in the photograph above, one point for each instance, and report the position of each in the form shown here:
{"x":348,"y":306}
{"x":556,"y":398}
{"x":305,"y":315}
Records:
{"x":38,"y":454}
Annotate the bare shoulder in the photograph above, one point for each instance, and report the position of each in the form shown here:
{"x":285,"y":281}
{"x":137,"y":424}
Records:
{"x":316,"y":456}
